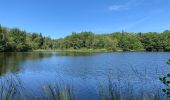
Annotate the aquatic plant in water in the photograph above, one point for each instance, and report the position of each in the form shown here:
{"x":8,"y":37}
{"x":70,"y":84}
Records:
{"x":59,"y":92}
{"x":11,"y":88}
{"x":166,"y":81}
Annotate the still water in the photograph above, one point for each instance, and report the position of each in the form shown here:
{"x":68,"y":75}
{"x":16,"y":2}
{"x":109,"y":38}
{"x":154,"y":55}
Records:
{"x":84,"y":70}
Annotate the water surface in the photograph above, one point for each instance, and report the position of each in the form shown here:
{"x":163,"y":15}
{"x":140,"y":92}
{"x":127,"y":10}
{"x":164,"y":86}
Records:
{"x":84,"y":70}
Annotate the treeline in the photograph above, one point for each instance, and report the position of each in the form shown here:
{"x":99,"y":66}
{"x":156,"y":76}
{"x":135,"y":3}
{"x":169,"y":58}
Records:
{"x":14,"y":40}
{"x":19,"y":40}
{"x":117,"y":41}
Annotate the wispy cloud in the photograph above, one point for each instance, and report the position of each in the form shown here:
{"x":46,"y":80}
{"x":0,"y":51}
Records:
{"x":118,"y":7}
{"x":144,"y":19}
{"x":133,"y":24}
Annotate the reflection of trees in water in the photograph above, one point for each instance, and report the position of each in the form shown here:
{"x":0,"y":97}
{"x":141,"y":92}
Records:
{"x":9,"y":62}
{"x":75,"y":54}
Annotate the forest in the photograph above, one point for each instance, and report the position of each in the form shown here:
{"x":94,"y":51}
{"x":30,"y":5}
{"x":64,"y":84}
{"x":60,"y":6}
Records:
{"x":17,"y":40}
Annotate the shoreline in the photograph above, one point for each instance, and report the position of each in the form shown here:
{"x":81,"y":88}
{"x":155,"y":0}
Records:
{"x":89,"y":51}
{"x":83,"y":51}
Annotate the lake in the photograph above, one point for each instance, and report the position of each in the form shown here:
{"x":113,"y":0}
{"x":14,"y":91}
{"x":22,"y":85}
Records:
{"x":85,"y":70}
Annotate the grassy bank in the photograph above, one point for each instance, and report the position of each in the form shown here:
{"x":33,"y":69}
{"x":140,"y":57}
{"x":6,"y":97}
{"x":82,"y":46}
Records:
{"x":85,"y":50}
{"x":76,"y":50}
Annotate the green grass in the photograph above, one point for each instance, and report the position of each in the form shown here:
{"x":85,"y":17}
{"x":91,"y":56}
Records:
{"x":76,"y":50}
{"x":84,"y":50}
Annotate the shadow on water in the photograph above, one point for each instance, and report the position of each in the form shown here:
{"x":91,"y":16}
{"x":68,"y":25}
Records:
{"x":10,"y":61}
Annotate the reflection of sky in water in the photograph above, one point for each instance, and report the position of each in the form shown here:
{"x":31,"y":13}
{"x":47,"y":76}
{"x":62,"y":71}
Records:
{"x":140,"y":68}
{"x":101,"y":64}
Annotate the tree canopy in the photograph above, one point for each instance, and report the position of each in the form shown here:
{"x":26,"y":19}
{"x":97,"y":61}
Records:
{"x":14,"y":40}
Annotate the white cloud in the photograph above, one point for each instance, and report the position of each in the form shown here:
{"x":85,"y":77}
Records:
{"x":119,"y":7}
{"x":116,"y":7}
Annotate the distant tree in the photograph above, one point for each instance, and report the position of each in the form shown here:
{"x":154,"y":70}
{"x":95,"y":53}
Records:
{"x":152,"y":41}
{"x":127,"y":41}
{"x":166,"y":40}
{"x":18,"y":40}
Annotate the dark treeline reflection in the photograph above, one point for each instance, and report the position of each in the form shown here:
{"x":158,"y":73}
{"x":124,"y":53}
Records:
{"x":9,"y":62}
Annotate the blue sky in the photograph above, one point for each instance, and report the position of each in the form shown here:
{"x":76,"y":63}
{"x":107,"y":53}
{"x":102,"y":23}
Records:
{"x":58,"y":18}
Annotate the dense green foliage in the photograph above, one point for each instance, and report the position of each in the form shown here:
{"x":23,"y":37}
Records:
{"x":18,"y":40}
{"x":117,"y":41}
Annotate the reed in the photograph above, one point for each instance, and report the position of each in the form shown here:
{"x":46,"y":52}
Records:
{"x":116,"y":91}
{"x":59,"y":92}
{"x":11,"y":88}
